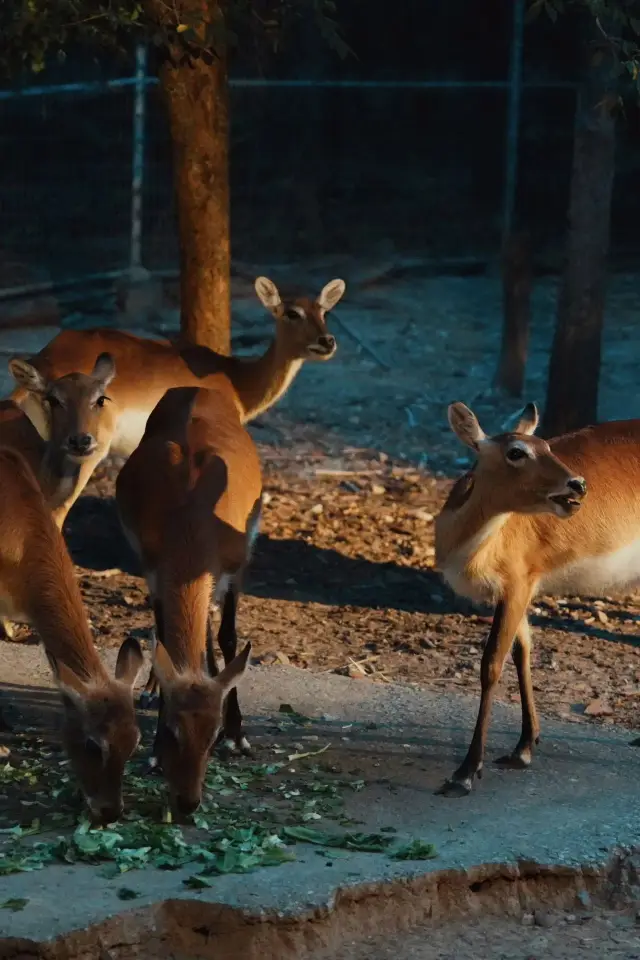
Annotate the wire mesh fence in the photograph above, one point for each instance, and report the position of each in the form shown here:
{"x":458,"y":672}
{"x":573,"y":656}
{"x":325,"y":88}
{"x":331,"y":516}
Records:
{"x":435,"y":168}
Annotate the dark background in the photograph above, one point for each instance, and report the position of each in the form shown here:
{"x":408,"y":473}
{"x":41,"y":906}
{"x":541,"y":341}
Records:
{"x":362,"y":172}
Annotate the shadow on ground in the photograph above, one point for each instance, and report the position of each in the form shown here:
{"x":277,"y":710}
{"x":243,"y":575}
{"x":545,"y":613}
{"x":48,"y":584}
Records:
{"x":292,"y":570}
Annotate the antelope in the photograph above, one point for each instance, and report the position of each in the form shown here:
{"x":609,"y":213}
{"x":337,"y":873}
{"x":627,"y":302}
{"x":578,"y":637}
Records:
{"x":38,"y":586}
{"x":189,"y":501}
{"x":80,"y":420}
{"x":521,"y":523}
{"x":80,"y":427}
{"x":148,"y":368}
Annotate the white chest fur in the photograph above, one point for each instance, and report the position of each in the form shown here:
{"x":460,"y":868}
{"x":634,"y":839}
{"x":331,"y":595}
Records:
{"x":129,"y":432}
{"x":461,"y":568}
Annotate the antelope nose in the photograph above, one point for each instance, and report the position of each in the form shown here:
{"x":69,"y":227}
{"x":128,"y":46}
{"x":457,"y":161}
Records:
{"x":107,"y":814}
{"x":186,"y":805}
{"x":326,"y":340}
{"x":80,"y":442}
{"x":578,"y":485}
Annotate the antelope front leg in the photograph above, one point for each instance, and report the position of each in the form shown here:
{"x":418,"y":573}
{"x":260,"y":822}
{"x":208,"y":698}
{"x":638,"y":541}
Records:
{"x":506,"y":619}
{"x":149,"y":695}
{"x":522,"y":755}
{"x":233,"y":737}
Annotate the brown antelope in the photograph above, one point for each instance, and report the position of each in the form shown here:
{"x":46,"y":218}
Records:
{"x":80,"y":422}
{"x":189,"y":501}
{"x":148,"y":368}
{"x":521,"y":523}
{"x":80,"y":427}
{"x":38,"y":586}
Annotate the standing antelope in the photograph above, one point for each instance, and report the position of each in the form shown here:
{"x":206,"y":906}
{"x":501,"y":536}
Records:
{"x":516,"y":525}
{"x":148,"y":368}
{"x":80,"y":427}
{"x":189,"y":501}
{"x":38,"y":586}
{"x":80,"y":422}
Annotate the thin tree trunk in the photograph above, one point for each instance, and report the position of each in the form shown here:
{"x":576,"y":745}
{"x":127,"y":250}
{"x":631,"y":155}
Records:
{"x":517,"y":280}
{"x":574,"y":369}
{"x":196,"y":95}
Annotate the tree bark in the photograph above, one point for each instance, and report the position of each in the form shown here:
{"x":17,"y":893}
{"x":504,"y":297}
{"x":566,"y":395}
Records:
{"x":517,"y":280}
{"x":196,"y":94}
{"x":574,"y":369}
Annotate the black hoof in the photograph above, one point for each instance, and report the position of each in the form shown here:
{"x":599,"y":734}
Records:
{"x":234,"y":747}
{"x":514,"y":761}
{"x":456,"y":788}
{"x":153,"y":767}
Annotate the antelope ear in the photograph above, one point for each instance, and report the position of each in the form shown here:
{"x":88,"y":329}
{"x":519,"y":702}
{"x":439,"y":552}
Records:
{"x":130,"y":661}
{"x":268,"y":293}
{"x":72,"y":688}
{"x":163,"y":665}
{"x":464,"y":424}
{"x":104,"y":369}
{"x":331,"y":294}
{"x":527,"y":420}
{"x":234,"y":671}
{"x":27,"y":376}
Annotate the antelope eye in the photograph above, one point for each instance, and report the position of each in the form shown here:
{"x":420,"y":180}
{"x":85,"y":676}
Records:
{"x":52,"y":400}
{"x":100,"y":402}
{"x":515,"y":454}
{"x":292,"y":314}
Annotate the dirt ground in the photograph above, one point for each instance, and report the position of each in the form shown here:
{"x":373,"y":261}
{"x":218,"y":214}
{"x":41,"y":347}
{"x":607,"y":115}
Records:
{"x":358,"y":459}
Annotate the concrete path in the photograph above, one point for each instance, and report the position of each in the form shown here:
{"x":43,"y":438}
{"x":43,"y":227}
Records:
{"x":573,"y":807}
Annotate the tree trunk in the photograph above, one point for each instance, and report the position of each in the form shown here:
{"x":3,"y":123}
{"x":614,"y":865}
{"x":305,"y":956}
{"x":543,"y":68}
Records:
{"x":574,"y":369}
{"x":196,"y":94}
{"x":517,"y":280}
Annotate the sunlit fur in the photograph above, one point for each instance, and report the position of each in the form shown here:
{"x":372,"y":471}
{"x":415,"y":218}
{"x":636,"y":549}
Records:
{"x":147,"y":368}
{"x":38,"y":586}
{"x":500,"y":537}
{"x":76,"y":416}
{"x":189,"y":501}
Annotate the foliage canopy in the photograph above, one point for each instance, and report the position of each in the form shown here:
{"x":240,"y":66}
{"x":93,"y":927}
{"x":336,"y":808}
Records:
{"x":36,"y":31}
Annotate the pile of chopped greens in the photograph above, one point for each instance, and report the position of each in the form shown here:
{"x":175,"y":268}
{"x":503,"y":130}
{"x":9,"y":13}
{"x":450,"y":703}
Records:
{"x":251,"y":816}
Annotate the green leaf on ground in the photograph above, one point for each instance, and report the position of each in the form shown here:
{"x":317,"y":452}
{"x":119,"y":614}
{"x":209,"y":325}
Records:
{"x":365,"y":842}
{"x":126,"y":893}
{"x":415,"y":850}
{"x":15,"y":904}
{"x":197,"y":883}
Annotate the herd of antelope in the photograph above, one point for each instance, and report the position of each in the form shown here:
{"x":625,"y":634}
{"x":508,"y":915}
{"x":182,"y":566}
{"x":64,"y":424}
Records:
{"x":189,"y":497}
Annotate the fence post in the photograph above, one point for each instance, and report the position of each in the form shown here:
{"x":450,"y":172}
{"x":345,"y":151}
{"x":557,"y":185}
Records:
{"x":137,"y":157}
{"x":513,"y":119}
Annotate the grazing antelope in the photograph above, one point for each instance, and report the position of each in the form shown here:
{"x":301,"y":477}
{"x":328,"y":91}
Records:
{"x":80,"y":421}
{"x":521,"y":523}
{"x":148,"y":368}
{"x":189,"y":500}
{"x":38,"y":586}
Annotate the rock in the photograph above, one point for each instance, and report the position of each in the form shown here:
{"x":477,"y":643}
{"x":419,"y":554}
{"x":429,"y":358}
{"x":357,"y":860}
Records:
{"x":378,"y":489}
{"x":543,"y":918}
{"x":527,"y":919}
{"x":602,"y":617}
{"x":317,"y":509}
{"x":598,"y":708}
{"x":423,"y":515}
